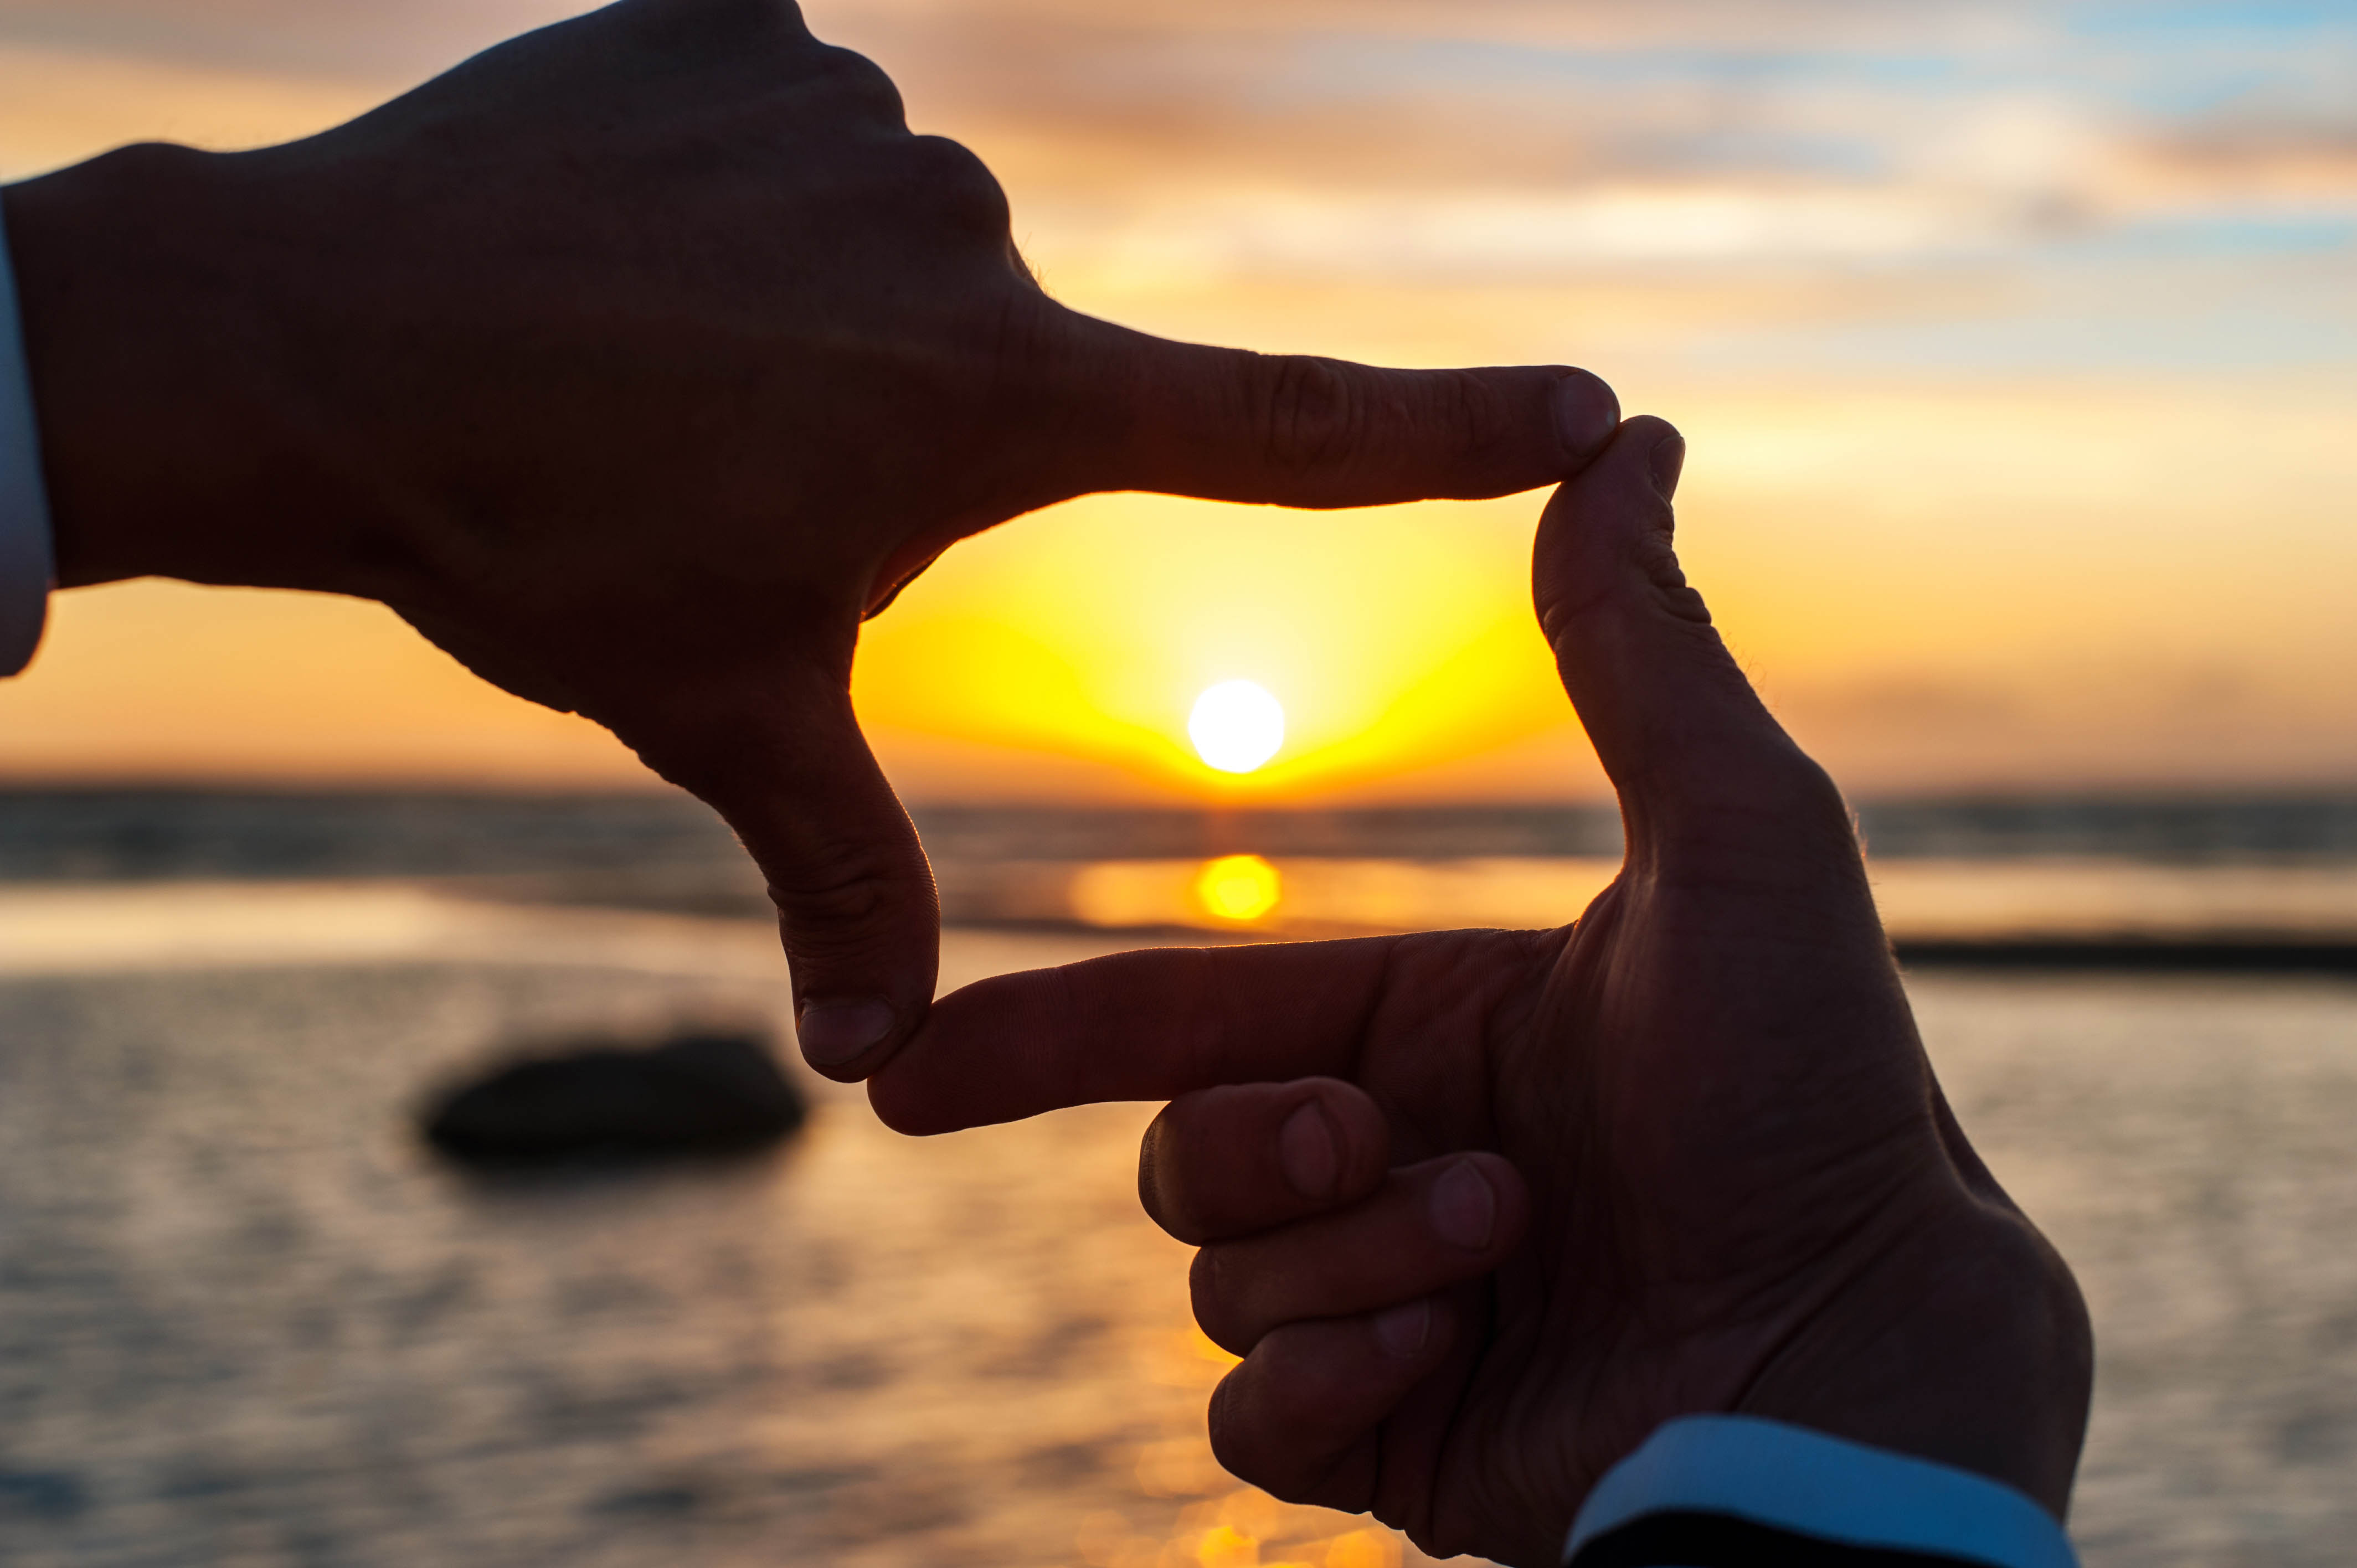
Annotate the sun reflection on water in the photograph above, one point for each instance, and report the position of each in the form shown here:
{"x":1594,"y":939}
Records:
{"x":1238,"y":887}
{"x":1218,"y":1524}
{"x":1245,"y":1529}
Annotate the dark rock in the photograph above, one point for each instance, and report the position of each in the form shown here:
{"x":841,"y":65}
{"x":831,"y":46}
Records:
{"x":662,"y":1501}
{"x":700,"y":1093}
{"x":46,"y":1494}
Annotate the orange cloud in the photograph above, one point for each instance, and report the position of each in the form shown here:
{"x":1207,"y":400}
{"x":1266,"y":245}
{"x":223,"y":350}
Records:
{"x":2117,"y":565}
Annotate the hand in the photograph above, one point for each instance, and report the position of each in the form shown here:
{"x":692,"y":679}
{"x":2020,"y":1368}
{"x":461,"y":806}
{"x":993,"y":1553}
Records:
{"x":634,"y":363}
{"x":1738,"y":1188}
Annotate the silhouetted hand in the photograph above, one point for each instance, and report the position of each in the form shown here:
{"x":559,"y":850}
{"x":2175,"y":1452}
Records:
{"x":634,"y":363}
{"x":1738,"y":1188}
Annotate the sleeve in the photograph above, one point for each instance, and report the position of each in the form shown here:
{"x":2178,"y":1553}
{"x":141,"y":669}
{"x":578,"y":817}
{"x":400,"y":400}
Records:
{"x":1735,"y":1492}
{"x":27,"y":566}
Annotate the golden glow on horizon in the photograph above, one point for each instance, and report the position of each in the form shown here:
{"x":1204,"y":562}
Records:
{"x":1401,"y":637}
{"x":1240,"y":888}
{"x":1236,"y":726}
{"x":1863,"y":553}
{"x":1942,"y":577}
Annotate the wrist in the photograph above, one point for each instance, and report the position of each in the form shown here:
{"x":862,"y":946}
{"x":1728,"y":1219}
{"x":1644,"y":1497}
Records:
{"x":165,"y":443}
{"x":1970,"y":1348}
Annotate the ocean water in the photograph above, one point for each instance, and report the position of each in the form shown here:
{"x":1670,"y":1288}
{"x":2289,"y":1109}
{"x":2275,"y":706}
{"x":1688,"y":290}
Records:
{"x":246,"y":1318}
{"x":2244,"y":869}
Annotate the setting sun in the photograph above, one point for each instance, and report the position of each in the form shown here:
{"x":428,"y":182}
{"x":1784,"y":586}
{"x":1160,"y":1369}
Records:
{"x":1236,"y":726}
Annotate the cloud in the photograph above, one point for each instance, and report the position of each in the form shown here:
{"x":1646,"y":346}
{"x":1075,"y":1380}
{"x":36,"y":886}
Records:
{"x":1478,"y":140}
{"x":2007,"y":96}
{"x":1505,"y":137}
{"x":1766,"y":24}
{"x":2239,"y":161}
{"x":388,"y":41}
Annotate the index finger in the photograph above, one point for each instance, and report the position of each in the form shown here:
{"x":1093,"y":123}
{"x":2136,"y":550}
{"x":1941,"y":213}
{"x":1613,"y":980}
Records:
{"x":1151,"y":1024}
{"x":1299,"y":430}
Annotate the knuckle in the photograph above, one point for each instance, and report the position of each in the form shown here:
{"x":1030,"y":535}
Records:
{"x":1234,"y":1434}
{"x":1204,"y":1289}
{"x":1209,"y":1289}
{"x":857,"y":82}
{"x":1257,"y":1443}
{"x":1815,"y":804}
{"x":958,"y":184}
{"x":1312,"y":414}
{"x":1653,"y":549}
{"x":779,"y":18}
{"x":1791,"y":810}
{"x":758,"y":28}
{"x":1162,"y":1188}
{"x":847,"y":896}
{"x":1468,"y":408}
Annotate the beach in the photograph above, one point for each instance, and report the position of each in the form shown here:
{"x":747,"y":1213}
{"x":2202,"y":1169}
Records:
{"x":247,"y":1317}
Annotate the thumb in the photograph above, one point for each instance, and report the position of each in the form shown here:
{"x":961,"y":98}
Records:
{"x":1226,"y":425}
{"x":792,"y":773}
{"x":1694,"y":754}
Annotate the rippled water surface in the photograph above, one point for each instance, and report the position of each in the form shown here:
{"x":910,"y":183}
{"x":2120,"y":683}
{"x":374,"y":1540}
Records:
{"x":245,"y":1318}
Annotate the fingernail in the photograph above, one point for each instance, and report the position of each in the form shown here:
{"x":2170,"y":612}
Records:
{"x":832,"y":1033}
{"x":1402,"y":1331}
{"x":1586,"y":413}
{"x":1309,"y":1152}
{"x":1669,"y":461}
{"x":1463,"y":1207}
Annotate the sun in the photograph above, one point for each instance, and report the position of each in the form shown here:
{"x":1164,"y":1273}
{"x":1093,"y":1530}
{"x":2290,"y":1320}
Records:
{"x":1236,"y":726}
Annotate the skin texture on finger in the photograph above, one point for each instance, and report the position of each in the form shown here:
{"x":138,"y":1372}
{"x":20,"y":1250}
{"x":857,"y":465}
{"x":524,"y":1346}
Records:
{"x":857,"y":912}
{"x":1151,"y":1024}
{"x":1161,"y":1023}
{"x":1697,"y":760}
{"x":1431,"y":1226}
{"x":1294,"y":430}
{"x":1242,"y":1158}
{"x":1740,"y":852}
{"x":1800,"y":1057}
{"x":1299,"y":1417}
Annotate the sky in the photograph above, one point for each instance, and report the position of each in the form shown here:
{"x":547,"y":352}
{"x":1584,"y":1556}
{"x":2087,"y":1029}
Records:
{"x":2016,"y":345}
